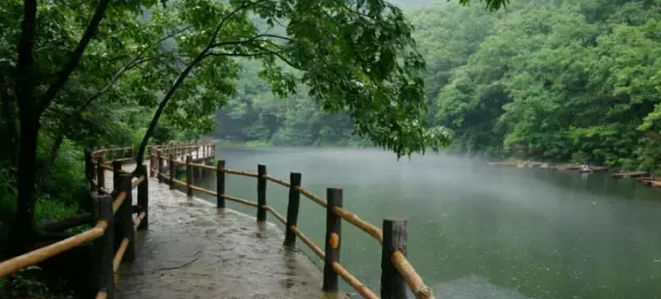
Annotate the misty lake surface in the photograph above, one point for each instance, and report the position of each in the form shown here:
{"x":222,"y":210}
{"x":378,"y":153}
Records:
{"x":475,"y":230}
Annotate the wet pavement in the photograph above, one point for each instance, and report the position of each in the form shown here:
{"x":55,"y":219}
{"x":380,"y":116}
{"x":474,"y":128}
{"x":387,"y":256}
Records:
{"x":193,"y":250}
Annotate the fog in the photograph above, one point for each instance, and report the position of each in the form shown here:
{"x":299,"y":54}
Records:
{"x":477,"y":230}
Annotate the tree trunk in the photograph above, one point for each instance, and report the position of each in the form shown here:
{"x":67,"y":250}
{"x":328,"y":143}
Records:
{"x":23,"y":229}
{"x":161,"y":106}
{"x":9,"y":114}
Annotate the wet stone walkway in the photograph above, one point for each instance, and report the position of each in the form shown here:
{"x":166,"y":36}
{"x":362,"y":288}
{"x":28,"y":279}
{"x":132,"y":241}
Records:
{"x":193,"y":250}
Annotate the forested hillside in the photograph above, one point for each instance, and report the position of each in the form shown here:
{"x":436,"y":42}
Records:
{"x":553,"y":80}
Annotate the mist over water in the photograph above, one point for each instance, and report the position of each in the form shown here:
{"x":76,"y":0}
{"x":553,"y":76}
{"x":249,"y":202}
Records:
{"x":476,"y":230}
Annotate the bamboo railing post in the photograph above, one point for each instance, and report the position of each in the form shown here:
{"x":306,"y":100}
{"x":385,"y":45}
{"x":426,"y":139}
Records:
{"x":189,"y":176}
{"x":292,"y":208}
{"x":173,"y":171}
{"x":333,"y":233}
{"x":220,"y":184}
{"x":143,"y":197}
{"x":261,"y":193}
{"x":100,"y":173}
{"x":159,"y":161}
{"x":103,"y":246}
{"x":393,"y":285}
{"x":116,"y":175}
{"x":133,"y":152}
{"x":124,"y":225}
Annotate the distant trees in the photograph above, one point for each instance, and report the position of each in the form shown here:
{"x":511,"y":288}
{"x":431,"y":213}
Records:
{"x":561,"y":81}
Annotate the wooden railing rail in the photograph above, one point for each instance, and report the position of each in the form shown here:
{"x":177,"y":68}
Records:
{"x":33,"y":257}
{"x":113,"y":220}
{"x":397,"y":270}
{"x":115,"y":226}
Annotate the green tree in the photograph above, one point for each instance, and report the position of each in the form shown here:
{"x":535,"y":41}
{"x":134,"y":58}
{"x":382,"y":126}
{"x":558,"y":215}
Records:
{"x":62,"y":61}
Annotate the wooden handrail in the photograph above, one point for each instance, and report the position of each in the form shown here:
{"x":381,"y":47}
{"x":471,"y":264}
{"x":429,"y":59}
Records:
{"x":137,"y":182}
{"x":200,"y":189}
{"x":314,"y":247}
{"x":311,"y":196}
{"x":242,"y":173}
{"x":117,"y":260}
{"x":415,"y":282}
{"x":276,"y":214}
{"x":240,"y":200}
{"x":118,"y":201}
{"x":101,"y":295}
{"x":353,"y":282}
{"x":203,"y":166}
{"x":138,"y":220}
{"x":278,"y":181}
{"x":365,"y":226}
{"x":175,"y":161}
{"x":398,"y":259}
{"x":33,"y":257}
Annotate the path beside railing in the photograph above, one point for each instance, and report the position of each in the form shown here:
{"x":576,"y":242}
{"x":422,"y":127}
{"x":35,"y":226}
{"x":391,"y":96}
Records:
{"x":180,"y":247}
{"x":193,"y":250}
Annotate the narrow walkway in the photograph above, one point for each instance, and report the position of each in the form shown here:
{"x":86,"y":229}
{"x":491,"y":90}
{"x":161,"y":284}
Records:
{"x":193,"y":250}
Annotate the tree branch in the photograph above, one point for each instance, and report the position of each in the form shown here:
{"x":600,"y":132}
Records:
{"x":76,"y":55}
{"x":289,"y":39}
{"x":279,"y":55}
{"x":180,"y":79}
{"x":44,"y":171}
{"x":237,"y":54}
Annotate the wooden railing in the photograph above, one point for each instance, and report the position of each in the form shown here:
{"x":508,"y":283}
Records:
{"x":113,"y":233}
{"x":397,"y":271}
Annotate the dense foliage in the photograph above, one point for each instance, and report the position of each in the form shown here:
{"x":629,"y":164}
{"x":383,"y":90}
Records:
{"x":553,"y":80}
{"x":78,"y":74}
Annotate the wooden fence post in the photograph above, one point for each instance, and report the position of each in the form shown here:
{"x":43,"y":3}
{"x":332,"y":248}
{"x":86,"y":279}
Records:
{"x":116,"y":175}
{"x":292,"y":208}
{"x":393,"y":285}
{"x":159,"y":161}
{"x":173,"y":171}
{"x":143,"y":197}
{"x":333,"y":237}
{"x":102,"y":248}
{"x":133,"y":152}
{"x":220,"y":184}
{"x":189,"y":176}
{"x":100,"y":174}
{"x":124,"y":225}
{"x":261,"y":193}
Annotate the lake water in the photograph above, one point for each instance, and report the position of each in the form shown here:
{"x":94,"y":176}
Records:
{"x":476,"y":230}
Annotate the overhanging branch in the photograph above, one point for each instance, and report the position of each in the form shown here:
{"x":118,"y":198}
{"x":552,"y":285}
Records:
{"x":76,"y":55}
